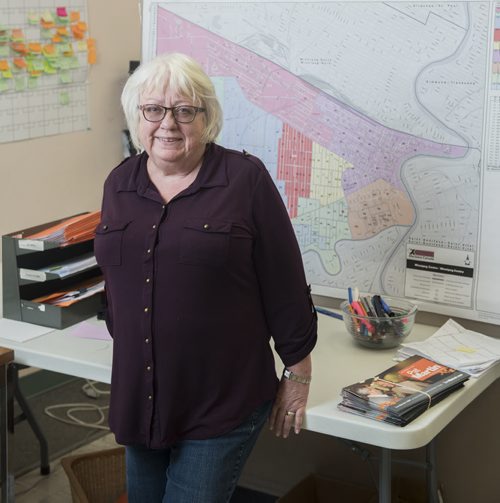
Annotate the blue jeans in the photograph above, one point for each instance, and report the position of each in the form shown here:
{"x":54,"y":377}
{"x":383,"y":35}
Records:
{"x":193,"y":471}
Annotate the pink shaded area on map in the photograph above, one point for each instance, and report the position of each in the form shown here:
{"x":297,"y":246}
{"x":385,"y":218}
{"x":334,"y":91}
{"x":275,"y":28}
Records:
{"x":375,"y":151}
{"x":294,"y":166}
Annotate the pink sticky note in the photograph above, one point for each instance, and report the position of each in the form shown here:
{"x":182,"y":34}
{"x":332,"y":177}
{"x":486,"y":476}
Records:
{"x":86,"y":330}
{"x":61,"y":12}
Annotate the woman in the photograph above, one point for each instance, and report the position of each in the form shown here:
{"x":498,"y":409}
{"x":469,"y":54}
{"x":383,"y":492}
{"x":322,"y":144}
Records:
{"x":202,"y":267}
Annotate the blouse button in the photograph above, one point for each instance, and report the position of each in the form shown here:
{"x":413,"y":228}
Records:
{"x":105,"y":227}
{"x":149,"y":250}
{"x":146,"y":340}
{"x":146,"y":309}
{"x":148,"y":368}
{"x":150,"y":397}
{"x":206,"y":226}
{"x":147,"y":280}
{"x":154,"y":226}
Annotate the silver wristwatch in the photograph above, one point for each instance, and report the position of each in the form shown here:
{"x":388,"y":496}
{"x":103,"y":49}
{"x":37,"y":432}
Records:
{"x":288,"y":374}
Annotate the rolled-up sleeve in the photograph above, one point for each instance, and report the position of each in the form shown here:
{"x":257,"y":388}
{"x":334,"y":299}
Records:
{"x":286,"y":297}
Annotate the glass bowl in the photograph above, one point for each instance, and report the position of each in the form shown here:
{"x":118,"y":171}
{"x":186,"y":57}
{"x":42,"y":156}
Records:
{"x":381,"y":333}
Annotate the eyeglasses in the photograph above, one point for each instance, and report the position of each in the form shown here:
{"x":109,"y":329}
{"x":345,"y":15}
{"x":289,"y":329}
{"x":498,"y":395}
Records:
{"x":184,"y":114}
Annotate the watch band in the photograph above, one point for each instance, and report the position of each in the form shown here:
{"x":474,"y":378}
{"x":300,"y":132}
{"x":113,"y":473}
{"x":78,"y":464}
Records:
{"x":288,"y":374}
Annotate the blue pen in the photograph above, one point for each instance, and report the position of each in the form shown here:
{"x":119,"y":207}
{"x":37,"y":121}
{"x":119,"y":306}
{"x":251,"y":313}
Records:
{"x":328,"y":313}
{"x":387,"y":309}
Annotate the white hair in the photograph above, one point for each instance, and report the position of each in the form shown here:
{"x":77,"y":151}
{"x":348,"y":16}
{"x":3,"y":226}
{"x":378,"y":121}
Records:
{"x":183,"y":76}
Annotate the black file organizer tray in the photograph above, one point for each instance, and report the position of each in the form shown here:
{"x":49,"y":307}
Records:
{"x":18,"y":294}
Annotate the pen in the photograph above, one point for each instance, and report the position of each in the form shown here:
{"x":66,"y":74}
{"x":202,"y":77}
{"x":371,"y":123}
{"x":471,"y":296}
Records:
{"x":349,"y":295}
{"x":386,"y":308}
{"x":358,"y":308}
{"x":326,"y":312}
{"x":366,"y":306}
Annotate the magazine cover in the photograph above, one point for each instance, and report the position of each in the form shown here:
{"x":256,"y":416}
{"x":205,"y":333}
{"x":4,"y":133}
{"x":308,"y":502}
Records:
{"x":402,"y":392}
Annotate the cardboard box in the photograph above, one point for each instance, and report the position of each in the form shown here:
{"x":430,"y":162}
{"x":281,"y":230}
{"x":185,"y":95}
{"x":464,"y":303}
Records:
{"x":316,"y":489}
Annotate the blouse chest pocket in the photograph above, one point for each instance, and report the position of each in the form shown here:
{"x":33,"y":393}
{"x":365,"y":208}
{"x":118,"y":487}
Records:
{"x":205,"y":242}
{"x":108,"y":242}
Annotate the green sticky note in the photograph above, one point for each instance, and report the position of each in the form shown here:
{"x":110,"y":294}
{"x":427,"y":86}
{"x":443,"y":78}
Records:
{"x":32,"y":82}
{"x":65,"y":77}
{"x":4,"y":85}
{"x":4,"y":51}
{"x":20,"y":83}
{"x":48,"y":68}
{"x":44,"y":33}
{"x":64,"y":98}
{"x":7,"y":74}
{"x":33,"y":17}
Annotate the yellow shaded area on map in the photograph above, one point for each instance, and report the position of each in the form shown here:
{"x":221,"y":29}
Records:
{"x":326,"y":175}
{"x":376,"y":207}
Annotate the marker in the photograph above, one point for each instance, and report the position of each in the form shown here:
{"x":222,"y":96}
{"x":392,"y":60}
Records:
{"x":358,"y":308}
{"x":386,"y":308}
{"x":355,"y":294}
{"x":326,"y":312}
{"x":349,"y":295}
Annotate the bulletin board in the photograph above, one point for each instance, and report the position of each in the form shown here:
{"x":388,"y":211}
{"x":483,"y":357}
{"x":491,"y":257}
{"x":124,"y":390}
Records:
{"x":45,"y":55}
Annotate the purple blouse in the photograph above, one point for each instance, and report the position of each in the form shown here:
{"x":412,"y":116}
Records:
{"x":196,"y":288}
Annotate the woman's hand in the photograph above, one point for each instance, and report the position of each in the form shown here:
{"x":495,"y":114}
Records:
{"x":290,"y":404}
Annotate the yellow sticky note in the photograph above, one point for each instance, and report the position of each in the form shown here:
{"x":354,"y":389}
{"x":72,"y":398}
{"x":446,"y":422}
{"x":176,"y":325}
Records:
{"x":48,"y":68}
{"x":62,"y":31}
{"x":7,"y":74}
{"x":465,"y":349}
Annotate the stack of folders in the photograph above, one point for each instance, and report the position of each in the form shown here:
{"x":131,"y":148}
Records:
{"x":80,"y":291}
{"x":70,"y":231}
{"x":402,"y":392}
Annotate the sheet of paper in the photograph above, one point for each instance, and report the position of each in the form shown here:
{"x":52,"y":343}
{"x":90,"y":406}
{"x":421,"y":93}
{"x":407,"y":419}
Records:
{"x":457,"y":347}
{"x":20,"y":331}
{"x":86,"y":330}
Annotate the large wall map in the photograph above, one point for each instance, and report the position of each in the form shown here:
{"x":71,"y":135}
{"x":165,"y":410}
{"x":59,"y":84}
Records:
{"x":372,"y":119}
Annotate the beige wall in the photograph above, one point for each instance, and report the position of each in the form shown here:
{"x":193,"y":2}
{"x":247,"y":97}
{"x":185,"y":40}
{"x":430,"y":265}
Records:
{"x":47,"y":178}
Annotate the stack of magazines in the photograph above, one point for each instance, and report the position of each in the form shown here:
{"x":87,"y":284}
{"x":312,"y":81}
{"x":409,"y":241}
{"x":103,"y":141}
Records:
{"x":402,"y":392}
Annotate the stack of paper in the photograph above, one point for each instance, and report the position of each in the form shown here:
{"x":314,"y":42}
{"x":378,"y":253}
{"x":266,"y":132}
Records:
{"x":456,"y":347}
{"x":70,"y":231}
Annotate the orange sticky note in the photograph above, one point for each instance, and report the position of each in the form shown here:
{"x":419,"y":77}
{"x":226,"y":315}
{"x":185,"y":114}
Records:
{"x":91,"y":43}
{"x":47,"y":25}
{"x":35,"y":47}
{"x":56,"y":39}
{"x":62,"y":31}
{"x":92,"y":56}
{"x":49,"y":50}
{"x":74,"y":16}
{"x":77,"y":33}
{"x":19,"y":47}
{"x":20,"y":63}
{"x":4,"y":65}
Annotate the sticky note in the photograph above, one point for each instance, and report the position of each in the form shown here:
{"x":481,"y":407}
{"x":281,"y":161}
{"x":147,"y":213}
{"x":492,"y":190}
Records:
{"x":61,"y":12}
{"x":91,"y":43}
{"x":33,"y":82}
{"x":49,"y":50}
{"x":47,"y":25}
{"x":4,"y":65}
{"x":4,"y":85}
{"x":19,"y":47}
{"x":7,"y":74}
{"x":35,"y":47}
{"x":48,"y":68}
{"x":4,"y":51}
{"x":64,"y":98}
{"x":62,"y":31}
{"x":91,"y":57}
{"x":56,"y":39}
{"x":81,"y":45}
{"x":66,"y":49}
{"x":65,"y":77}
{"x":20,"y":83}
{"x":47,"y":17}
{"x":33,"y":17}
{"x":20,"y":63}
{"x":74,"y":16}
{"x":17,"y":35}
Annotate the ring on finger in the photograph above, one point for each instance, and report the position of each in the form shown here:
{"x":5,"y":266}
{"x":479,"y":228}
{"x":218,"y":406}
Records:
{"x":289,"y":413}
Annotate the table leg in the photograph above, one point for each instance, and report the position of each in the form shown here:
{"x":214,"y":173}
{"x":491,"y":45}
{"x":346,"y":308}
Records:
{"x":385,"y":476}
{"x":432,"y":483}
{"x":6,"y":478}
